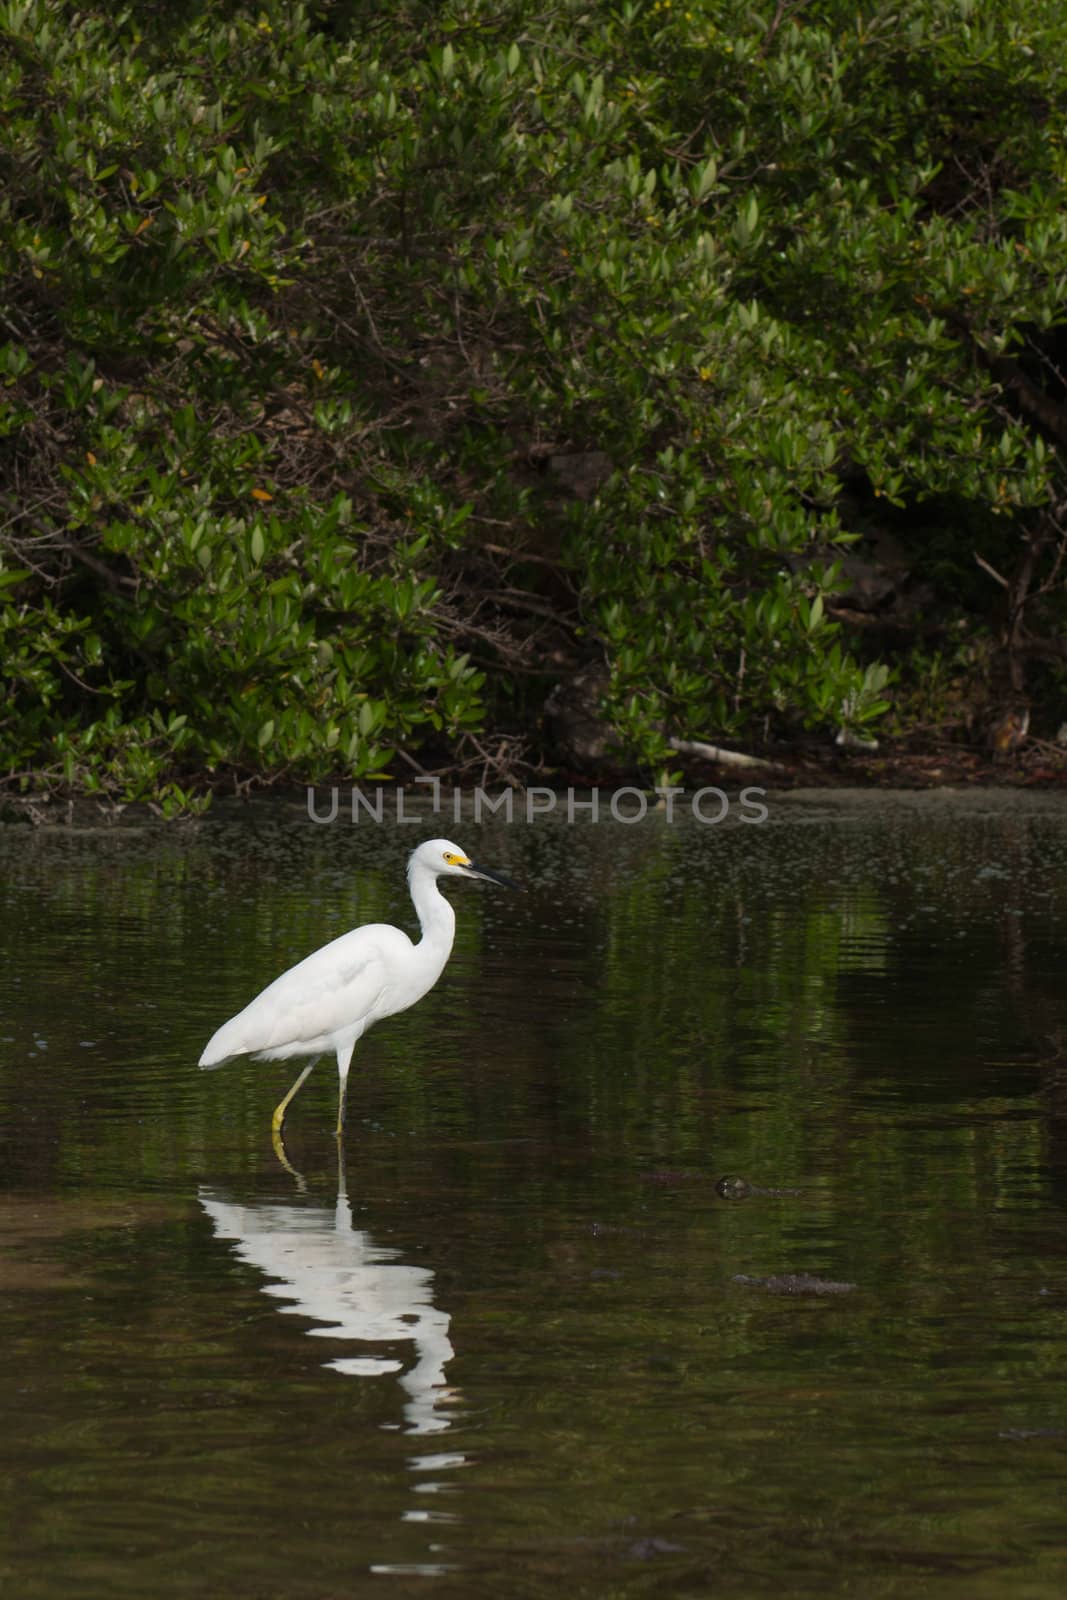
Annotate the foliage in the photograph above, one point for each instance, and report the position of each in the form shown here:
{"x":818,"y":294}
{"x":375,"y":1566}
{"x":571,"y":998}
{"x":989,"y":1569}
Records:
{"x":300,"y":301}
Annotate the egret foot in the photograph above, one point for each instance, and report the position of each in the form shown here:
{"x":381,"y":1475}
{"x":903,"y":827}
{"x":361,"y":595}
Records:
{"x":280,"y":1109}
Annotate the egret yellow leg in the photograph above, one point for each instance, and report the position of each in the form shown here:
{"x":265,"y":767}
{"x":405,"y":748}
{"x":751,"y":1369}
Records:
{"x":280,"y":1109}
{"x":341,"y":1098}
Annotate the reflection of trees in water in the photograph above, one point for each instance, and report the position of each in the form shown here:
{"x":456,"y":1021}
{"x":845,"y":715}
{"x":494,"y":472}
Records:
{"x":336,"y":1274}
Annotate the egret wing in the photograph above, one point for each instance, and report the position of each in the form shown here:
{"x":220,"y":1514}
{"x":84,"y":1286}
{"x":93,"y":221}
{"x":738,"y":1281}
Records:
{"x":333,"y":990}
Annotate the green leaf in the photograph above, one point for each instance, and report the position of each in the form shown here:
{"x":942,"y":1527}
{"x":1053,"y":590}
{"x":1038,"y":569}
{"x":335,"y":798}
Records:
{"x":705,"y":179}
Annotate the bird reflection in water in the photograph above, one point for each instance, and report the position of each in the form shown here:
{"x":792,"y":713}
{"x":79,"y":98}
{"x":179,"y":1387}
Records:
{"x":334,"y":1273}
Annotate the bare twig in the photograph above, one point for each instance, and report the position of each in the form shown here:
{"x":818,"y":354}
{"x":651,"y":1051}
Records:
{"x":784,"y":9}
{"x":992,"y":571}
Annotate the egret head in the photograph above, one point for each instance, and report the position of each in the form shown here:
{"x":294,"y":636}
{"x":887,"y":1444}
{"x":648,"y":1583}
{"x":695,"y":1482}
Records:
{"x":444,"y":859}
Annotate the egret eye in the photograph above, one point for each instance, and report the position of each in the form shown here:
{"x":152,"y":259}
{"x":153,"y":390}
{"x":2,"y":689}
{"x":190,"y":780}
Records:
{"x":450,"y":858}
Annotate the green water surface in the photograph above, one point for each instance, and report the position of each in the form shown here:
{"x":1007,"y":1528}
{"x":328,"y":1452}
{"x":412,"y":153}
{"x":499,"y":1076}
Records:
{"x":517,"y":1343}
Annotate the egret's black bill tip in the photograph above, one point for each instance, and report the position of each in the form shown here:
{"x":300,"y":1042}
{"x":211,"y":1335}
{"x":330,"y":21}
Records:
{"x":495,"y":877}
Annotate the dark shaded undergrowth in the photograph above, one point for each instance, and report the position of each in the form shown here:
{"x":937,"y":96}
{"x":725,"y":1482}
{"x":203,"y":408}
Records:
{"x":371,"y":371}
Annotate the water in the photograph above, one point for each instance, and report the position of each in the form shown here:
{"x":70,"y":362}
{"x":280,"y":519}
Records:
{"x":520,"y":1341}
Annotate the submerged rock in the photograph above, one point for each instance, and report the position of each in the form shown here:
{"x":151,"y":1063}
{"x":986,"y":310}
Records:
{"x":731,"y":1188}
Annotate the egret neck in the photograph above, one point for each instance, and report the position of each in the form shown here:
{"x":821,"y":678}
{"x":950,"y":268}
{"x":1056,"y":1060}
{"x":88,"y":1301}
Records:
{"x":436,"y":919}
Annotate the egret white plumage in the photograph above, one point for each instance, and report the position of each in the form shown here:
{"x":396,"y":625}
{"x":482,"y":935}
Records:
{"x":330,"y":999}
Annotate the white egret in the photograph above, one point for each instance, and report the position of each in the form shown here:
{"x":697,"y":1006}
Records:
{"x":330,"y":999}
